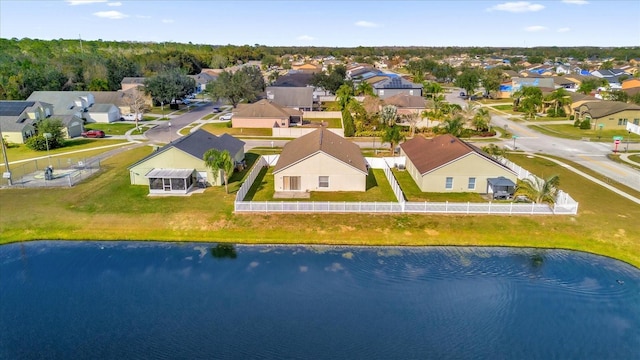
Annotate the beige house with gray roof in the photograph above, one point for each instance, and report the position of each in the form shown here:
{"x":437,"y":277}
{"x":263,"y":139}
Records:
{"x":611,"y":114}
{"x":265,"y":114}
{"x":320,"y":161}
{"x":18,"y":119}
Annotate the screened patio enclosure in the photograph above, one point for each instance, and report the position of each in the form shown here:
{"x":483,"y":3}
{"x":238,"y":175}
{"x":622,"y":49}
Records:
{"x":501,"y":187}
{"x":171,"y":181}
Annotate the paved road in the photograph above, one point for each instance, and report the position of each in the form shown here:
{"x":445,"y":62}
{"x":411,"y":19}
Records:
{"x":592,"y":155}
{"x":168,"y":130}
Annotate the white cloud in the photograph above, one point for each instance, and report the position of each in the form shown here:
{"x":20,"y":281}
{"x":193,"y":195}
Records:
{"x":368,"y":24}
{"x":305,"y":38}
{"x":117,"y":3}
{"x":110,"y":14}
{"x":564,"y":29}
{"x":576,"y":2}
{"x":84,"y":2}
{"x":517,"y":7}
{"x":535,"y":28}
{"x":168,"y":21}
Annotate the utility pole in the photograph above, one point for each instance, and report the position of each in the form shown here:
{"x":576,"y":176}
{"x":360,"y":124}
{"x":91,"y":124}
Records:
{"x":7,"y":173}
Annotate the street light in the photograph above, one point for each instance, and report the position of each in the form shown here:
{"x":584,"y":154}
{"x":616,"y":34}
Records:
{"x":514,"y":142}
{"x":628,"y":140}
{"x":7,"y":172}
{"x":46,"y":140}
{"x":170,"y":137}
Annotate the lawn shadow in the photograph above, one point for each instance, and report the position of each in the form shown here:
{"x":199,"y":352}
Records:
{"x":371,"y":180}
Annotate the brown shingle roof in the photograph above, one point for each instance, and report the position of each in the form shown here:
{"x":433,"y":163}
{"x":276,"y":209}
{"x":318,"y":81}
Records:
{"x":325,"y":141}
{"x":265,"y":109}
{"x":404,"y":100}
{"x":430,"y":154}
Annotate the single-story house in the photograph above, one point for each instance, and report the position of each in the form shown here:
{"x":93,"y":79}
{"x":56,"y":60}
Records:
{"x":391,"y":86}
{"x":293,"y":90}
{"x":407,"y":104}
{"x":17,"y":119}
{"x":610,"y":114}
{"x":320,"y":161}
{"x":446,"y":163}
{"x":265,"y":114}
{"x":202,"y":80}
{"x":179,"y":166}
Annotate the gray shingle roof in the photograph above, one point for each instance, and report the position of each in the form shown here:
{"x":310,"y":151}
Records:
{"x":396,"y":83}
{"x":298,"y":97}
{"x":199,"y":142}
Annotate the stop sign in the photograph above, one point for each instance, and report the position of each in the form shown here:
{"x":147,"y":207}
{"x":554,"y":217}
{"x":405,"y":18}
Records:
{"x":616,"y":141}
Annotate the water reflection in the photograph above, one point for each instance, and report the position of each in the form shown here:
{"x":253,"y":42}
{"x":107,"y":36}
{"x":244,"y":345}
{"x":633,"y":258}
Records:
{"x":141,"y":300}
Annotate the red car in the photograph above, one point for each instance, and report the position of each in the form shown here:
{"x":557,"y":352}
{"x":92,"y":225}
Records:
{"x":93,"y":134}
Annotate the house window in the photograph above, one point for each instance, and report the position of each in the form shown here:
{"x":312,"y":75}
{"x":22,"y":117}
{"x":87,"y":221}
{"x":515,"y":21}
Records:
{"x":291,"y":183}
{"x":449,"y":183}
{"x":472,"y":183}
{"x":636,"y":121}
{"x":323,"y":181}
{"x":380,"y":92}
{"x":622,"y":121}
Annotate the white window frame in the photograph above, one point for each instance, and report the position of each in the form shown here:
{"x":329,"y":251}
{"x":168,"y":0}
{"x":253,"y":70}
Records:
{"x":472,"y":183}
{"x":321,"y":182}
{"x":447,"y":185}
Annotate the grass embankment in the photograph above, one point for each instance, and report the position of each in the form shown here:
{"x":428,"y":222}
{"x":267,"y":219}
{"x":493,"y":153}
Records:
{"x":568,"y":131}
{"x":335,"y":123}
{"x":107,"y":207}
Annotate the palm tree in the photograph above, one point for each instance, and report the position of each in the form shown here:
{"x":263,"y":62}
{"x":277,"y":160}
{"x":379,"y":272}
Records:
{"x":393,"y":136}
{"x":219,"y":161}
{"x":468,"y":112}
{"x":482,"y":119}
{"x":453,"y":126}
{"x":494,"y":150}
{"x":539,"y":190}
{"x":412,"y":119}
{"x":560,"y":98}
{"x":344,"y":95}
{"x":364,"y":88}
{"x":432,"y":89}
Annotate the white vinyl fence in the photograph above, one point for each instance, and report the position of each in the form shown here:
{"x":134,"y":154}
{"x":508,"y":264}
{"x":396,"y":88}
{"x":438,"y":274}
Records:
{"x":565,"y":205}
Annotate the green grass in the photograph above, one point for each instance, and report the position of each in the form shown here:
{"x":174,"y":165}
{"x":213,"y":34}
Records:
{"x":207,"y":117}
{"x":616,"y":158}
{"x":111,"y":129}
{"x":221,"y":128}
{"x":107,"y":207}
{"x":413,"y":193}
{"x":331,"y":122}
{"x":22,"y":152}
{"x":506,"y":108}
{"x":568,"y":131}
{"x":635,"y":158}
{"x":378,"y":189}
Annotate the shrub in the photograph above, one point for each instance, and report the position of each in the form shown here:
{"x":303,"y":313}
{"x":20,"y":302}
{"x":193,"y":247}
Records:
{"x":585,"y":125}
{"x":571,"y":117}
{"x":39,"y":143}
{"x":576,"y":123}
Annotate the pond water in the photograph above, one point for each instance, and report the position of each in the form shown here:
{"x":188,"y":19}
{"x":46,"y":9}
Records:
{"x":89,"y":300}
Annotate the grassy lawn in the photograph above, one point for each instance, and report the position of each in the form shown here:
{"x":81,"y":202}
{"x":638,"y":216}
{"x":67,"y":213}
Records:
{"x":635,"y":158}
{"x":413,"y":193}
{"x":616,"y":158}
{"x":332,"y":122}
{"x":221,"y":128}
{"x":568,"y":131}
{"x":107,"y":207}
{"x":111,"y":129}
{"x":505,"y":108}
{"x":21,"y":152}
{"x":207,"y":117}
{"x":496,"y":101}
{"x":378,"y":189}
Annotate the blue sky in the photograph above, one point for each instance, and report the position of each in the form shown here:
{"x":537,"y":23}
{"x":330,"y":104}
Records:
{"x":330,"y":23}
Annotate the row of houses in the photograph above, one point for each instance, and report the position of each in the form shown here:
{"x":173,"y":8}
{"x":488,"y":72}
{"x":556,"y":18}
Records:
{"x":324,"y":161}
{"x":19,"y":118}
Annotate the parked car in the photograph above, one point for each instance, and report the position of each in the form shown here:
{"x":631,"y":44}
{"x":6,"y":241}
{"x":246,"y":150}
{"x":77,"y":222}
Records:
{"x":93,"y":134}
{"x":131,"y":117}
{"x":226,"y":117}
{"x":216,"y":109}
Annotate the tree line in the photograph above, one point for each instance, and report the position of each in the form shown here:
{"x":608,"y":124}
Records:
{"x":27,"y":65}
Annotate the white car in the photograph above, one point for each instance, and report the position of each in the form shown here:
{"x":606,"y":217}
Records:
{"x":131,"y":117}
{"x":226,"y":117}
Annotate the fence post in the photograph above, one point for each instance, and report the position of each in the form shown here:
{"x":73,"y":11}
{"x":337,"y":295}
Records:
{"x":532,"y":205}
{"x":468,"y":207}
{"x":425,"y":206}
{"x":511,"y":208}
{"x":69,"y":178}
{"x":489,"y":207}
{"x":446,"y":206}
